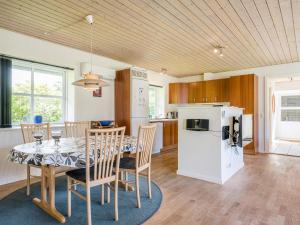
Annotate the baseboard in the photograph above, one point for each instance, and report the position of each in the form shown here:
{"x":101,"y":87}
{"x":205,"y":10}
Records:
{"x":199,"y":177}
{"x":170,"y":147}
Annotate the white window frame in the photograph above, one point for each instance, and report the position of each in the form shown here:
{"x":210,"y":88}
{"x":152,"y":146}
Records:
{"x":157,"y":97}
{"x":287,"y":107}
{"x":35,"y":67}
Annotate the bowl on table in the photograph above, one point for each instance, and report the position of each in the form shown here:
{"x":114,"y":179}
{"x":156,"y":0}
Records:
{"x":105,"y":123}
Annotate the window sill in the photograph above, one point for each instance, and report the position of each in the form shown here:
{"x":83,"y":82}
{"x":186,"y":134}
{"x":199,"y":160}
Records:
{"x":57,"y":125}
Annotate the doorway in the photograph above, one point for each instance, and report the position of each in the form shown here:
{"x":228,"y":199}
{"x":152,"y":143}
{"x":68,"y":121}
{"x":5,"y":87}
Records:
{"x":284,"y":117}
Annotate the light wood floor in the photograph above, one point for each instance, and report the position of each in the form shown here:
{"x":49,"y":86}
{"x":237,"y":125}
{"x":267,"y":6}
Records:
{"x":265,"y":192}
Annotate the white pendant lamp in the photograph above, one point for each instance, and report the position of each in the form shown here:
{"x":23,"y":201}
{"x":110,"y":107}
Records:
{"x":90,"y":81}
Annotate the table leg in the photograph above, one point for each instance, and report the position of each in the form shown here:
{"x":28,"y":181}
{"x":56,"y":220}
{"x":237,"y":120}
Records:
{"x":48,"y":177}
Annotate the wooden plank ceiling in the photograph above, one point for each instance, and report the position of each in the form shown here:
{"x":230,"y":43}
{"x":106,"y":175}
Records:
{"x":175,"y":34}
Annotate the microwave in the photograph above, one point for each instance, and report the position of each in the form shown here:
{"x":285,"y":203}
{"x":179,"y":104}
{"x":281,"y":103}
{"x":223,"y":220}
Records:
{"x":197,"y":124}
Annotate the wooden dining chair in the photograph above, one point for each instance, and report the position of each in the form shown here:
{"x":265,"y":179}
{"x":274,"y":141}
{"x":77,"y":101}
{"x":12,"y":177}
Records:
{"x":27,"y":130}
{"x":141,"y":161}
{"x":76,"y":129}
{"x":105,"y":145}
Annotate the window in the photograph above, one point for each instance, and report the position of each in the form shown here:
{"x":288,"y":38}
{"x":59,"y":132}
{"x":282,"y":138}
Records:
{"x":290,"y":108}
{"x":37,"y":90}
{"x":156,"y":101}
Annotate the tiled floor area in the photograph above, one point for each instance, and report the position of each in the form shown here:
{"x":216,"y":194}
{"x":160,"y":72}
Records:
{"x":286,"y":148}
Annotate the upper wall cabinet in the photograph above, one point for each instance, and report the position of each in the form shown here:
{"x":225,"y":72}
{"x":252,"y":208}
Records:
{"x":196,"y":92}
{"x":211,"y":91}
{"x":206,"y":91}
{"x":178,"y":93}
{"x":223,"y":90}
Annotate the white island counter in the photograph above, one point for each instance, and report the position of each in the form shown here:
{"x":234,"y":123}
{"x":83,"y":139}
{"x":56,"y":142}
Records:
{"x":204,"y":154}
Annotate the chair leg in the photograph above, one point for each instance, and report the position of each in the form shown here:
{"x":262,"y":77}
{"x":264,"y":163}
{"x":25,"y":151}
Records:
{"x":116,"y":201}
{"x":108,"y":193}
{"x":88,"y":206}
{"x":137,"y":180}
{"x":69,"y":186}
{"x":102,"y":194}
{"x":122,"y":175}
{"x":28,"y":180}
{"x":126,"y":179}
{"x":149,"y":183}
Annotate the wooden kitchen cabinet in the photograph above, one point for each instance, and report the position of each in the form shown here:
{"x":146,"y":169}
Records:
{"x":235,"y":91}
{"x":200,"y":92}
{"x":170,"y":134}
{"x":211,"y":91}
{"x":178,"y":93}
{"x":217,"y":90}
{"x":196,"y":92}
{"x":192,"y":89}
{"x":244,"y":94}
{"x":223,"y":90}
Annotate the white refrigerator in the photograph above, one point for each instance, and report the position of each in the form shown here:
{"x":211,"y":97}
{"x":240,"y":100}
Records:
{"x":139,"y":101}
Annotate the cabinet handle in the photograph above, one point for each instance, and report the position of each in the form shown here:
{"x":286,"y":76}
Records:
{"x":194,"y":100}
{"x":215,"y":99}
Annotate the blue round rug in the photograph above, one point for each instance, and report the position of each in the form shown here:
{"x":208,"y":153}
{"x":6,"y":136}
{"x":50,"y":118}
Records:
{"x":18,"y":209}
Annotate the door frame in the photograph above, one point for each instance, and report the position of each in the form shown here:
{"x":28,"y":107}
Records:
{"x":268,"y":100}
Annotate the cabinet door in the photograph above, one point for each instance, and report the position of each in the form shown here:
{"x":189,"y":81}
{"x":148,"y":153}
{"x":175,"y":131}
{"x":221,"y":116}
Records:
{"x":178,"y":93}
{"x":235,"y":94}
{"x":247,"y":85}
{"x":183,"y":93}
{"x":167,"y":131}
{"x":192,"y":89}
{"x":170,"y":133}
{"x":211,"y":90}
{"x":173,"y":93}
{"x":200,"y":92}
{"x":175,"y":132}
{"x":223,"y":90}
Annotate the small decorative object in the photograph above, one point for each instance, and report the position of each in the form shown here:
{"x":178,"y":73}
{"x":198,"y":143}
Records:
{"x":38,"y":119}
{"x":105,"y":123}
{"x":98,"y":92}
{"x":56,"y":135}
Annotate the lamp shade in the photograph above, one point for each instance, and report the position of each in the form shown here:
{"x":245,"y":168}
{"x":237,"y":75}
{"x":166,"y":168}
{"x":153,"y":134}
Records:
{"x":90,"y":82}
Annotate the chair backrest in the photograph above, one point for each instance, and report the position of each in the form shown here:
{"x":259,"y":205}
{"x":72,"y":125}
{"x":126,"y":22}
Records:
{"x":76,"y":129}
{"x":106,"y":145}
{"x":28,"y":129}
{"x":145,"y":141}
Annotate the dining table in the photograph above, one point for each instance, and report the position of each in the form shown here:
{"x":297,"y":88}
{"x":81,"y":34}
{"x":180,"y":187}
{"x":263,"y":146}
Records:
{"x":70,"y":153}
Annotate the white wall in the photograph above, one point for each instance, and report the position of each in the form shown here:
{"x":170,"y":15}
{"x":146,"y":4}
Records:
{"x":263,"y":73}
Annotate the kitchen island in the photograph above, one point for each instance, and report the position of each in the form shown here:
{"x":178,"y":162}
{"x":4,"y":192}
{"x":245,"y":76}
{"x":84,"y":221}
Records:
{"x":209,"y":145}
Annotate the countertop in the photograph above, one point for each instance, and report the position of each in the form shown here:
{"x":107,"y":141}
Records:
{"x":158,"y":120}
